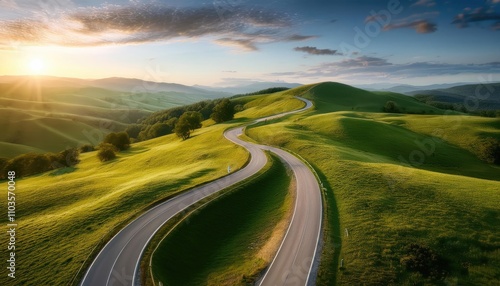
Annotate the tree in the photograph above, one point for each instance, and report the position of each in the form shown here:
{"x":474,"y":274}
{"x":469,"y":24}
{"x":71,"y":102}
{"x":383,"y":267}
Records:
{"x":120,"y":140}
{"x":188,"y":122}
{"x":182,"y":129}
{"x":193,"y":119}
{"x":223,"y":111}
{"x":133,"y":130}
{"x":106,"y":152}
{"x":86,"y":148}
{"x":158,"y":129}
{"x":391,"y":107}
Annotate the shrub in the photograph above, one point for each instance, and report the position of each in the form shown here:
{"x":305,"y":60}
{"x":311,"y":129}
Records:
{"x":488,"y":149}
{"x":422,"y":259}
{"x":87,"y":148}
{"x":120,"y":140}
{"x":223,"y":111}
{"x":391,"y":107}
{"x":106,"y":152}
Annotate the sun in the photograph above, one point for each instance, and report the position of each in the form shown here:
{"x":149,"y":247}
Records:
{"x":36,"y":66}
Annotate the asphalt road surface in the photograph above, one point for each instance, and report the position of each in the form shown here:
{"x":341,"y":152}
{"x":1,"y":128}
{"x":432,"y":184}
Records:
{"x":118,"y":261}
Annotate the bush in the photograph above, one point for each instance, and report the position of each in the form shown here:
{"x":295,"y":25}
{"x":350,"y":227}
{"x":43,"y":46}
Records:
{"x":120,"y":140}
{"x":488,"y":149}
{"x":223,"y":111}
{"x":86,"y":148}
{"x":106,"y":152}
{"x":422,"y":259}
{"x":391,"y":107}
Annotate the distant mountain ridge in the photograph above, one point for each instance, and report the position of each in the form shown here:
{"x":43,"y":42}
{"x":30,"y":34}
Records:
{"x":478,"y":96}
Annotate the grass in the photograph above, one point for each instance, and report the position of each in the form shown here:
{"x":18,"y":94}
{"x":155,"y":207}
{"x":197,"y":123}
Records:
{"x":227,"y":241}
{"x":71,"y":115}
{"x":448,"y":201}
{"x":58,"y":212}
{"x":64,"y":215}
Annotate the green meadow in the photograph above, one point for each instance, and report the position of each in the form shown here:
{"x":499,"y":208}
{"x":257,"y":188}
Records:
{"x":230,"y":240}
{"x":391,"y":180}
{"x":396,"y":179}
{"x":65,"y":215}
{"x":42,"y":115}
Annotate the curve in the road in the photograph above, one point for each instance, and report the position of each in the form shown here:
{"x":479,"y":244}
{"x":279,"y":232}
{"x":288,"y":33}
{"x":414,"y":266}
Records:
{"x":118,"y":262}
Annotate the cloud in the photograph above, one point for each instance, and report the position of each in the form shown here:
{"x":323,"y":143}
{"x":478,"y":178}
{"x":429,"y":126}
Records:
{"x":140,"y":23}
{"x":316,"y":51}
{"x":425,"y":3}
{"x":298,"y":38}
{"x":365,"y":67}
{"x":421,"y":26}
{"x":481,"y":14}
{"x":419,"y":22}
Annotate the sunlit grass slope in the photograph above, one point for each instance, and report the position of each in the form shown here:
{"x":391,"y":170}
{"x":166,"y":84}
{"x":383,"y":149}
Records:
{"x":49,"y":117}
{"x":226,"y":242}
{"x":387,"y":195}
{"x":64,"y":214}
{"x":264,"y":105}
{"x":332,"y":96}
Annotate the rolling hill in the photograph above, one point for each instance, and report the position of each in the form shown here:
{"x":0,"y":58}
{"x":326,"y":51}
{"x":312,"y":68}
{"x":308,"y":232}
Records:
{"x":68,"y":112}
{"x":474,"y":96}
{"x":395,"y":181}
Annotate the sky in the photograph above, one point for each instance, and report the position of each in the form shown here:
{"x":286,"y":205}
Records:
{"x":230,"y":42}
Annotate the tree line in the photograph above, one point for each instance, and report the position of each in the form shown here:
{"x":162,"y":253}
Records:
{"x":181,"y":120}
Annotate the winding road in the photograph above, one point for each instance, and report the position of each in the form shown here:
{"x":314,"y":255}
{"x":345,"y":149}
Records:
{"x":118,"y":262}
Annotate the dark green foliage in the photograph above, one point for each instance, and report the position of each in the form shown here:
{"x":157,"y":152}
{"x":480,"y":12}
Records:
{"x":188,"y":122}
{"x":263,"y":91}
{"x":120,"y":140}
{"x":391,"y":107}
{"x":68,"y":157}
{"x":133,"y":130}
{"x":32,"y":164}
{"x":106,"y":152}
{"x":86,"y":148}
{"x":424,"y":260}
{"x":488,"y":149}
{"x":193,"y":119}
{"x":182,"y":130}
{"x":223,"y":111}
{"x":3,"y":164}
{"x":159,"y":129}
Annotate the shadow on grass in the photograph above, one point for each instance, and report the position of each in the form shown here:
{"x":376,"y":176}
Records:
{"x":332,"y":237}
{"x":63,"y":171}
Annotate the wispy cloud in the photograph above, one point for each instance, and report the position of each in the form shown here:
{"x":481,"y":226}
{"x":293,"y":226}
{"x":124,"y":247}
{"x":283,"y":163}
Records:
{"x":364,"y":67}
{"x":421,"y":26}
{"x":316,"y":51}
{"x":243,"y":27}
{"x":425,"y":3}
{"x":419,"y":22}
{"x":479,"y":15}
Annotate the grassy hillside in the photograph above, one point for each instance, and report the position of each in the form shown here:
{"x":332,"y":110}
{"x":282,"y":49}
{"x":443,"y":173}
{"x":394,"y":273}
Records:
{"x":230,"y":240}
{"x":331,"y":96}
{"x":65,"y":214}
{"x":58,"y":211}
{"x":69,"y":112}
{"x":393,"y":180}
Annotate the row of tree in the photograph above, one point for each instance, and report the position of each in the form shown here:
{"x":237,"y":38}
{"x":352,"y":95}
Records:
{"x":32,"y":164}
{"x":181,"y":120}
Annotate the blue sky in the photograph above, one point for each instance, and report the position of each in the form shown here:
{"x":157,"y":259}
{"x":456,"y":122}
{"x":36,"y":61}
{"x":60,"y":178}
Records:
{"x":224,"y":42}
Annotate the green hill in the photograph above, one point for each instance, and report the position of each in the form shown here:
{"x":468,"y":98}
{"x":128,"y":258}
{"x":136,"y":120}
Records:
{"x":474,"y":97}
{"x":71,"y":112}
{"x":86,"y":204}
{"x":393,"y":180}
{"x":331,"y":96}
